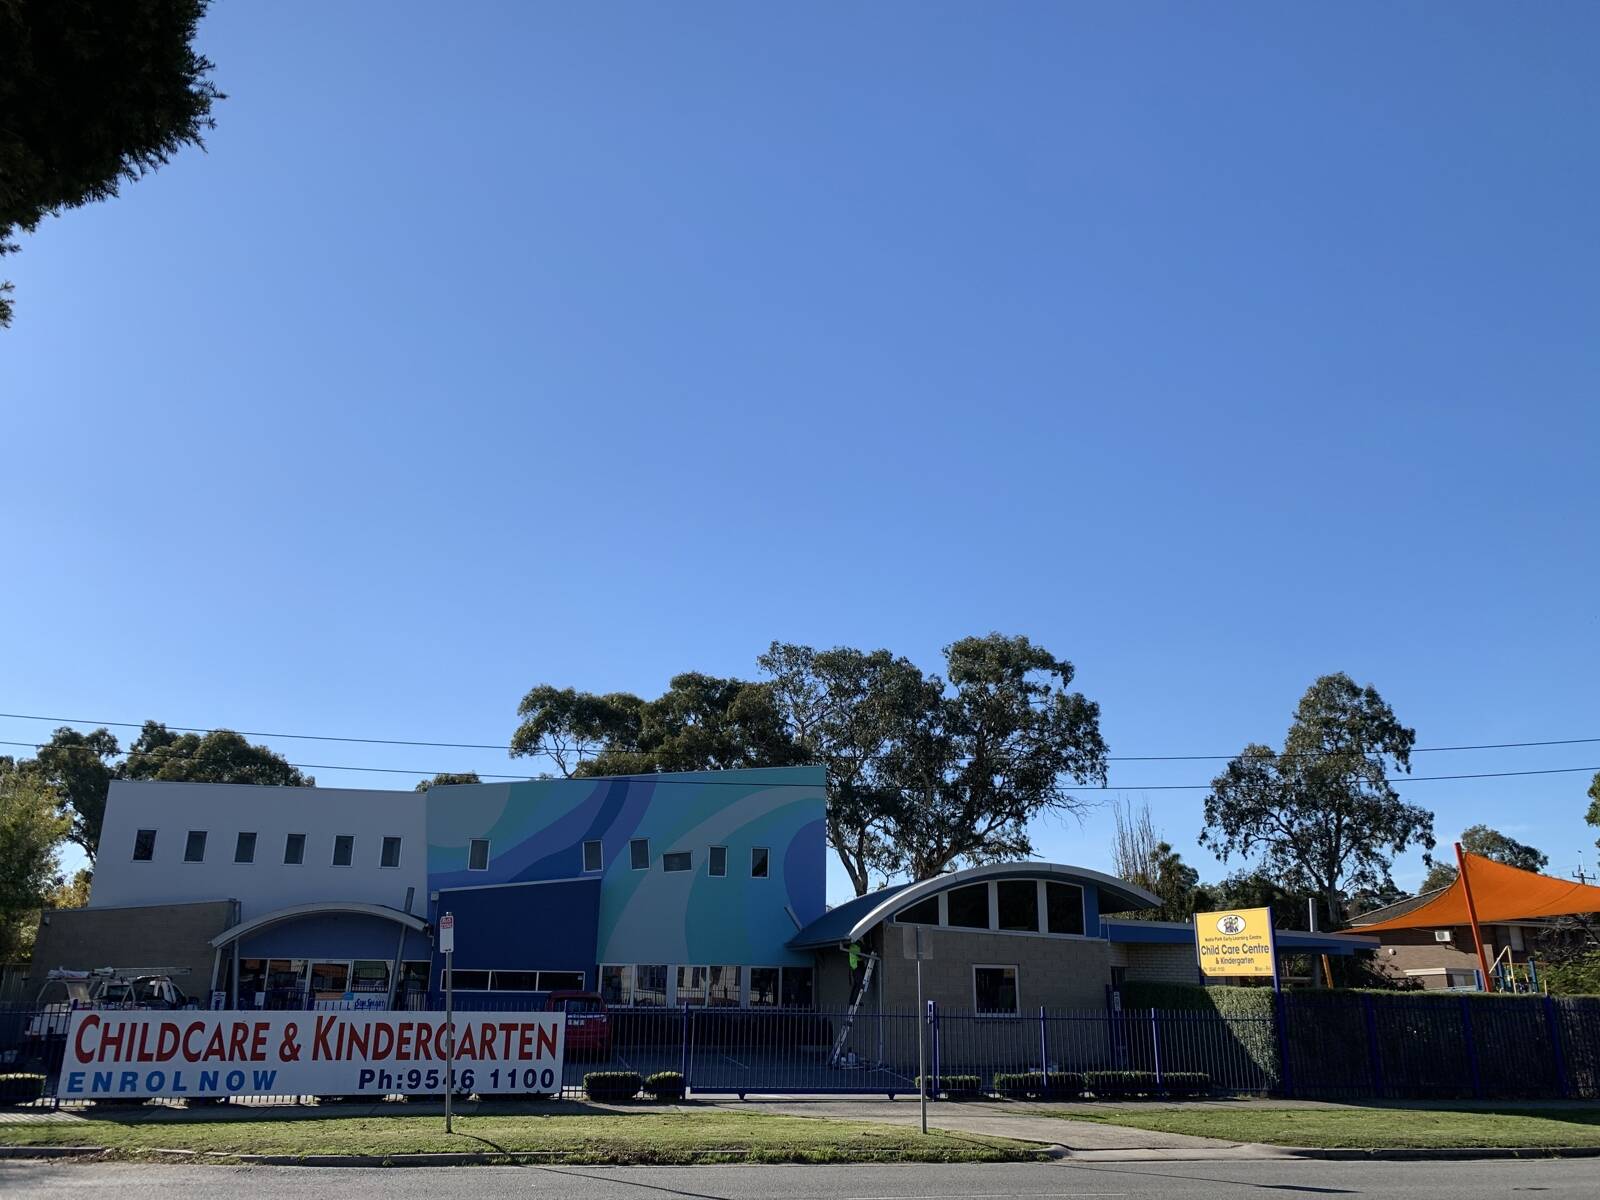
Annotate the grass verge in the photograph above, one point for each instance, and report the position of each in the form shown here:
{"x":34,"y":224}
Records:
{"x":1376,"y":1126}
{"x":589,"y":1137}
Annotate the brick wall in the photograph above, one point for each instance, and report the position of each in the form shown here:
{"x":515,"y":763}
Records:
{"x":157,"y":935}
{"x":1161,"y":964}
{"x":1064,"y":973}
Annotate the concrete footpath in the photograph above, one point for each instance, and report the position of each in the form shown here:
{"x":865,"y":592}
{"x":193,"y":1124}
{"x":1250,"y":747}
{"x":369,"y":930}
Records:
{"x":1027,"y":1121}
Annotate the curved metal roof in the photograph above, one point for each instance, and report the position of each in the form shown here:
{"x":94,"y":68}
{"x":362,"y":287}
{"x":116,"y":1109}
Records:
{"x":334,"y":907}
{"x":851,"y":921}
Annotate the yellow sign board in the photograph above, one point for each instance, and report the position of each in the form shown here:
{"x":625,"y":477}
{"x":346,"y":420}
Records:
{"x":1236,"y":941}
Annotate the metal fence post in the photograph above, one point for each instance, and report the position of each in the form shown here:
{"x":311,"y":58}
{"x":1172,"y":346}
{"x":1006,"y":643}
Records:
{"x":1281,"y":1015}
{"x":683,"y":1044}
{"x":933,"y":1038}
{"x":1044,"y":1052}
{"x":1155,"y":1042}
{"x":1369,"y":1011}
{"x":1552,"y":1020}
{"x":1471,"y":1044}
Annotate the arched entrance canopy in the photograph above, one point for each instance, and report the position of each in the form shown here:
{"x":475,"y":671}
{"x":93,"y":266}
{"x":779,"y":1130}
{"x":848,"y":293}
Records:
{"x":334,"y":907}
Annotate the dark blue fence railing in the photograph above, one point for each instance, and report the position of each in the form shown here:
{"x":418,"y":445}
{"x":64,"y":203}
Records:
{"x":1331,"y":1045}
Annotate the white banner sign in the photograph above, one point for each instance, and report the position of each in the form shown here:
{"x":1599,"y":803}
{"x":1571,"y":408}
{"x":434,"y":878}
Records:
{"x":117,"y":1052}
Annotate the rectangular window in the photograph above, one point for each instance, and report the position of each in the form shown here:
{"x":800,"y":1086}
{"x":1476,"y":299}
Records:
{"x":369,"y":975}
{"x":244,"y":848}
{"x":478,"y":854}
{"x":286,"y":974}
{"x":562,"y":981}
{"x":717,"y":860}
{"x":390,"y":855}
{"x":650,"y":985}
{"x":994,"y":991}
{"x":1063,"y":903}
{"x":923,"y":912}
{"x":593,"y":857}
{"x":414,"y":976}
{"x":677,"y":860}
{"x":692,"y":985}
{"x":194,"y":848}
{"x":968,"y":907}
{"x":144,"y":845}
{"x":797,"y":989}
{"x":294,"y":849}
{"x":616,"y":985}
{"x":469,"y":981}
{"x":759,"y":857}
{"x":330,"y":980}
{"x":344,"y":849}
{"x":639,"y":854}
{"x":1018,"y":905}
{"x":514,"y":981}
{"x":724,"y":987}
{"x":764,"y":987}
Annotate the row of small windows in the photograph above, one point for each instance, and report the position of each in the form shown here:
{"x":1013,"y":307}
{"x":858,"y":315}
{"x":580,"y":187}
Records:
{"x":639,"y":858}
{"x":244,"y":848}
{"x":645,"y":985}
{"x":1006,"y":906}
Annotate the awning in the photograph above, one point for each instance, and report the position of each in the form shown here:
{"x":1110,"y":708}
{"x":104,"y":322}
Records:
{"x":1499,"y":894}
{"x":327,"y":908}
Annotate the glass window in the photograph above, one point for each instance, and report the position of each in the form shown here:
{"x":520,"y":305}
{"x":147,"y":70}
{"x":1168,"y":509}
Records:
{"x":797,"y":991}
{"x":144,"y":845}
{"x":724,"y":988}
{"x":1018,"y":902}
{"x":994,"y":990}
{"x":692,"y":985}
{"x":478,"y":854}
{"x":252,"y":981}
{"x":759,"y":857}
{"x":582,"y":1004}
{"x":244,"y":848}
{"x":593,"y":858}
{"x":562,"y":981}
{"x":344,"y":849}
{"x":286,"y":974}
{"x":616,"y":985}
{"x":514,"y":981}
{"x":194,"y":848}
{"x":639,"y":854}
{"x":923,"y":912}
{"x":650,"y":985}
{"x":678,"y":860}
{"x":469,"y":981}
{"x":414,"y":975}
{"x":369,"y":975}
{"x":330,"y":980}
{"x":717,"y":860}
{"x":1064,"y":907}
{"x":968,"y":907}
{"x":763,"y":987}
{"x":294,"y":849}
{"x":390,"y":855}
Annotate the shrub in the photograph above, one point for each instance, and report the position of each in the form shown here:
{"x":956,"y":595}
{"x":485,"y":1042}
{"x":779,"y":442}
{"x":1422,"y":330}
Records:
{"x":954,"y":1087}
{"x":664,"y":1085}
{"x":1186,"y":1083}
{"x":612,"y":1086}
{"x":20,"y":1088}
{"x":1113,"y":1085}
{"x":1038,"y":1083}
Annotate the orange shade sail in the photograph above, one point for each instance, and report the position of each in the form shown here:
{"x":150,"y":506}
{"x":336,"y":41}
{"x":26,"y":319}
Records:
{"x":1499,"y":893}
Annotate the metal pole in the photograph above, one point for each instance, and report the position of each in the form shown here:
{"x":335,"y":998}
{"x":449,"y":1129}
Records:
{"x":1472,"y":916}
{"x":449,"y":1037}
{"x":922,"y":1040}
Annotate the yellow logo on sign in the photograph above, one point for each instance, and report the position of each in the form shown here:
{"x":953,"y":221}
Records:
{"x":1235,"y":942}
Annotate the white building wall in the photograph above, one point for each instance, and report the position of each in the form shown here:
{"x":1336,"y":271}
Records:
{"x":225,"y":809}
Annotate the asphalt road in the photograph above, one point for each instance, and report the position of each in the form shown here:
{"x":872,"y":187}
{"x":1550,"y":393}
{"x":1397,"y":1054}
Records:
{"x":1043,"y":1181}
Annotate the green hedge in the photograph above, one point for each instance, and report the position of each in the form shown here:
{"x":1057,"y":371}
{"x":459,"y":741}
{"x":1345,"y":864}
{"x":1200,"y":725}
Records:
{"x":1185,"y":1083}
{"x":612,"y":1086}
{"x":954,"y":1087}
{"x":1116,"y":1085}
{"x":665,"y":1085}
{"x":1060,"y":1084}
{"x":1252,"y":1028}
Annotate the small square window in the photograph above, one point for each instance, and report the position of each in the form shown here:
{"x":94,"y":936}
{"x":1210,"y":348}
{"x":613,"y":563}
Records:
{"x":717,"y":860}
{"x":994,"y":991}
{"x":639,"y":854}
{"x":194,"y":849}
{"x":593,"y":856}
{"x":758,"y":862}
{"x":390,"y":855}
{"x":968,"y":907}
{"x":294,"y":849}
{"x":344,"y":849}
{"x":144,"y":845}
{"x":764,"y":990}
{"x":478,"y":854}
{"x":677,"y":860}
{"x":244,"y":849}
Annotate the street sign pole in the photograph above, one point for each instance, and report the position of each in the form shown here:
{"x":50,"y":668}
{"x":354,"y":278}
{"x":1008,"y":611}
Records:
{"x":447,"y":943}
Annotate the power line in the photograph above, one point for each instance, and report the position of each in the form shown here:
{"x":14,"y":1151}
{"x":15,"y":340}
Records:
{"x":369,"y":741}
{"x":657,"y":779}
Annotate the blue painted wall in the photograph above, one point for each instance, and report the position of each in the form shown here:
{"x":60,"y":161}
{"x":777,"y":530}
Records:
{"x":525,"y":927}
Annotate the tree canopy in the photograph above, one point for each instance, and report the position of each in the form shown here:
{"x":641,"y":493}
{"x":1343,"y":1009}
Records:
{"x":1140,"y":855}
{"x":1593,"y":815}
{"x":1320,"y":817}
{"x":1487,"y":843}
{"x":94,"y":96}
{"x":31,"y":827}
{"x":924,"y":771}
{"x":447,"y":777}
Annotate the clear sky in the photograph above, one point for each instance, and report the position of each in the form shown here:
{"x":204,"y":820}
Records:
{"x":1213,"y":346}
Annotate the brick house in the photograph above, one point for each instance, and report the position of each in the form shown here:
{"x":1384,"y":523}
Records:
{"x":1445,"y":957}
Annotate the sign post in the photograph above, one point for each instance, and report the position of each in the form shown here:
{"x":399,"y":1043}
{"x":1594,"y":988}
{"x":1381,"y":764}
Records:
{"x":918,"y":946}
{"x":1237,"y":942}
{"x":447,"y":944}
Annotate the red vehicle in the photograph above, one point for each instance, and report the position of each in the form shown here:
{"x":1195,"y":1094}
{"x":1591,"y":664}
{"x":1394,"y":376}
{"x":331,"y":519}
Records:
{"x":588,"y":1023}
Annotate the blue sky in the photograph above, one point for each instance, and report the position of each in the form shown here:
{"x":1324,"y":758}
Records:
{"x":1214,"y":347}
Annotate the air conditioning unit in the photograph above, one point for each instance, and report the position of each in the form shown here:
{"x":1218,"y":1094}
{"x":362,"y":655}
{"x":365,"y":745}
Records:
{"x":1442,"y":935}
